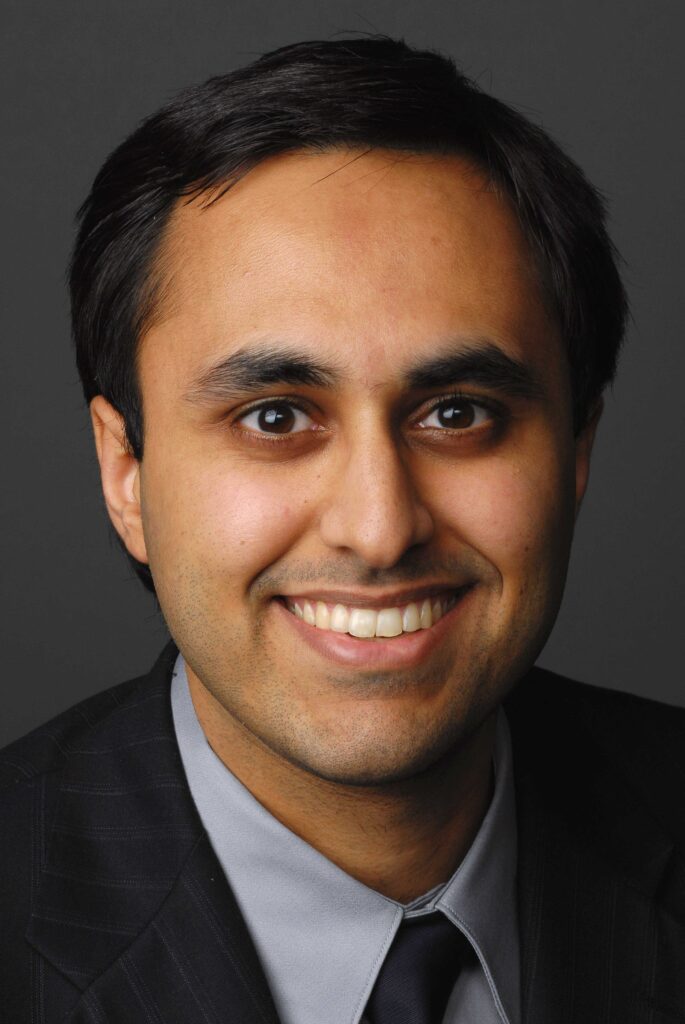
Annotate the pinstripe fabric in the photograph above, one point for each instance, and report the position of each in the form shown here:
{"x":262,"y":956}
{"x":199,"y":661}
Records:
{"x":191,"y":963}
{"x":132,"y":916}
{"x":600,"y":809}
{"x":105,"y":868}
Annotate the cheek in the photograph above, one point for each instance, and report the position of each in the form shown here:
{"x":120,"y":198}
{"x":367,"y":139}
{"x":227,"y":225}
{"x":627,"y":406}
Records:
{"x":232,"y":523}
{"x":517,"y":515}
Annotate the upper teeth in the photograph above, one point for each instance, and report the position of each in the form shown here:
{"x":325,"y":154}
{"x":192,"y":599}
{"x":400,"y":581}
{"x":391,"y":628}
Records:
{"x":369,"y":622}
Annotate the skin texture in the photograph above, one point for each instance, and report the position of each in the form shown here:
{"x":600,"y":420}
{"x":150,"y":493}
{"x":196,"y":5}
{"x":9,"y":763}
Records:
{"x":370,"y":262}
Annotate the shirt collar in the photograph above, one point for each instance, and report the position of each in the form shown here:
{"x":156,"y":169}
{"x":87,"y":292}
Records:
{"x":480,"y":898}
{"x":321,"y":935}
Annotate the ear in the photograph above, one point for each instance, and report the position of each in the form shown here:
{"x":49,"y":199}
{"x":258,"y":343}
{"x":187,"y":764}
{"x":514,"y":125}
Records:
{"x":584,"y":444}
{"x":120,"y":475}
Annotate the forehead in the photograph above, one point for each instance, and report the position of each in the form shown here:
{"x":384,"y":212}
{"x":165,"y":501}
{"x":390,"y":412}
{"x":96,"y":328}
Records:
{"x":363,"y":255}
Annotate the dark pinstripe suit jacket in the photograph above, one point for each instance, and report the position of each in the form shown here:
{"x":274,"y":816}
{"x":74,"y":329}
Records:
{"x":114,"y":908}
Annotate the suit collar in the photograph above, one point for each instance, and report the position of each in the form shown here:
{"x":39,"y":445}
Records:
{"x":130,"y":876}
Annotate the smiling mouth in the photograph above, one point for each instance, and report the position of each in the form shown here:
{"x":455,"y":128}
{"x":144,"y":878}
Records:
{"x":374,"y":623}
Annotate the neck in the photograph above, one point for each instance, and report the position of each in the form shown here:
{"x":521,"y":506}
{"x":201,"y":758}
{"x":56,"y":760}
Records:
{"x":401,"y":839}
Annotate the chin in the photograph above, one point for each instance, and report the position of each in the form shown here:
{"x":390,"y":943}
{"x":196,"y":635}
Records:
{"x":375,"y":759}
{"x":369,"y":775}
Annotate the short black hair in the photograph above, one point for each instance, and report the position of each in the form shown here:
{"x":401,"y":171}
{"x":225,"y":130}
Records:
{"x":368,"y":92}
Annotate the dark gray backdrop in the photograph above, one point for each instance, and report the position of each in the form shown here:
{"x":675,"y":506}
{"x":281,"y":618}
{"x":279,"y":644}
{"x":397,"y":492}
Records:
{"x":604,"y":76}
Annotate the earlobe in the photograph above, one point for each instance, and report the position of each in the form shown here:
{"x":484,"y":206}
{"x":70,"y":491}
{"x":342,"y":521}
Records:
{"x":120,"y":475}
{"x":584,"y":445}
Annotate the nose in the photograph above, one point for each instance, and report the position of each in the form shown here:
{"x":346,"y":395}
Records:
{"x":374,"y":508}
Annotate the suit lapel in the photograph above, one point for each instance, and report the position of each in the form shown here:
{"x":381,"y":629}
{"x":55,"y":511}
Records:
{"x":595,"y":911}
{"x":133,"y":907}
{"x":193,"y":961}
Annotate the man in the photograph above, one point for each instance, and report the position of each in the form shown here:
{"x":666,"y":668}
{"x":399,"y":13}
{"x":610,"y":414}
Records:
{"x":344,"y":323}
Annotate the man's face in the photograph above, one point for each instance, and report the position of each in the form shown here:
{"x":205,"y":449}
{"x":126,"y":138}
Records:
{"x":354,"y":396}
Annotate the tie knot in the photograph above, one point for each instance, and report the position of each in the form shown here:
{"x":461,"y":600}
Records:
{"x":418,"y":974}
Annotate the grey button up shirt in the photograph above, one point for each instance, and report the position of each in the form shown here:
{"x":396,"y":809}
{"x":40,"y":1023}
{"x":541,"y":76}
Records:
{"x":320,"y":934}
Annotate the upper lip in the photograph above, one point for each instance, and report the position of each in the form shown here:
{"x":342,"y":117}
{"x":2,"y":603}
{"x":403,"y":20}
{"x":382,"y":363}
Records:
{"x":366,"y":599}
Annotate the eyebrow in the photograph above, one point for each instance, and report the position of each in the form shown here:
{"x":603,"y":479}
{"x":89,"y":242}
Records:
{"x":479,"y":361}
{"x":251,"y":370}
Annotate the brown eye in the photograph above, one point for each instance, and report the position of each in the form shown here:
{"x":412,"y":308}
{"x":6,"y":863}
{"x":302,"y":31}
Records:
{"x":276,"y":418}
{"x":457,"y":414}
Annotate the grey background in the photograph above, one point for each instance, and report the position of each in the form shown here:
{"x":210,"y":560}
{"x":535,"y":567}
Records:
{"x":605,"y":77}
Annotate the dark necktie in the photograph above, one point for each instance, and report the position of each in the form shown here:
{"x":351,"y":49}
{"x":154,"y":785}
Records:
{"x":418,"y":974}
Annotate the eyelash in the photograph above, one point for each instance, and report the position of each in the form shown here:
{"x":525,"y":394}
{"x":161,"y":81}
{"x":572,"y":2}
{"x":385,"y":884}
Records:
{"x":496,"y":411}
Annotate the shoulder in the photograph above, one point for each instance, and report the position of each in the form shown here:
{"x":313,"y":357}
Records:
{"x":612,"y":717}
{"x":47,"y":748}
{"x":587,"y":746}
{"x":32,"y":767}
{"x":50,"y":747}
{"x":80,"y":750}
{"x":36,"y":763}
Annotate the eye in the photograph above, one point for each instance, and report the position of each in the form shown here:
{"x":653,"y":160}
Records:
{"x":276,"y":418}
{"x":457,"y":414}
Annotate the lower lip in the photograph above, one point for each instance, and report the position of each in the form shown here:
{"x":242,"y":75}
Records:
{"x":401,"y":652}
